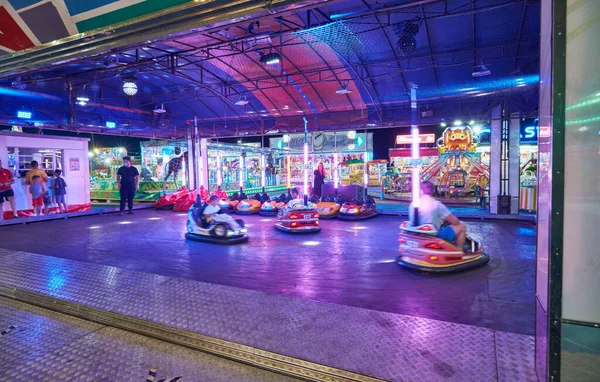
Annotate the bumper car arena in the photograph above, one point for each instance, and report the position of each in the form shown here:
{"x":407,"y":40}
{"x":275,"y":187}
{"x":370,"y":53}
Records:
{"x":351,"y":190}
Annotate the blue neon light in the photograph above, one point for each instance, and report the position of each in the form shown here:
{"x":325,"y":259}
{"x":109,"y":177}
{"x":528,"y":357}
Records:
{"x":24,"y":114}
{"x":111,"y":125}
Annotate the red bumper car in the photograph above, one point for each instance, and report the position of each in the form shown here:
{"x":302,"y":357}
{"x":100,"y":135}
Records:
{"x":298,"y":219}
{"x":422,"y":250}
{"x":359,"y":209}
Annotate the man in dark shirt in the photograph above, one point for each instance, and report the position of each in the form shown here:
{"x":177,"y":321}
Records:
{"x":128,"y":181}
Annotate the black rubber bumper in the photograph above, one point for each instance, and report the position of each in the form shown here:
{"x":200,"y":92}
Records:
{"x":356,"y":217}
{"x":481,"y":261}
{"x":217,"y":240}
{"x":246,"y":212}
{"x":329,"y":217}
{"x":297,"y":230}
{"x":268,"y":213}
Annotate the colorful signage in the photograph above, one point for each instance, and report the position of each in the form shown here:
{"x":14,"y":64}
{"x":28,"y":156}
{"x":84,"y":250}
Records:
{"x":326,"y":142}
{"x":407,"y":139}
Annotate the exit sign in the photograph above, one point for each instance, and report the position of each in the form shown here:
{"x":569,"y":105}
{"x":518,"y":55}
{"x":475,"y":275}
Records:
{"x":407,"y":139}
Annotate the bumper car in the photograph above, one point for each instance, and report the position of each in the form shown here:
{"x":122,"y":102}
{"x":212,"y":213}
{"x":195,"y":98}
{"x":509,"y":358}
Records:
{"x":298,"y":219}
{"x":247,"y":206}
{"x":271,"y":207}
{"x":198,"y":229}
{"x":329,"y":208}
{"x":422,"y":250}
{"x":359,"y":209}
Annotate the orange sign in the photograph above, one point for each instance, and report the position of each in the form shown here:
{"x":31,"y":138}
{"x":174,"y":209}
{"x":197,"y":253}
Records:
{"x":407,"y":139}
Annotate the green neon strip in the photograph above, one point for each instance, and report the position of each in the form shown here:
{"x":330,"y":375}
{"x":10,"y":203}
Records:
{"x":579,"y":121}
{"x":584,"y":104}
{"x":128,"y":13}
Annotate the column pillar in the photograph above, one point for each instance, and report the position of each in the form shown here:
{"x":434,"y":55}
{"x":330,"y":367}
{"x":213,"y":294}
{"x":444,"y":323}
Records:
{"x":204,"y":163}
{"x":495,"y":155}
{"x":514,"y":162}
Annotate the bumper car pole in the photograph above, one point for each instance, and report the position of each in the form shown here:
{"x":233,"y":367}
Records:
{"x":416,"y":180}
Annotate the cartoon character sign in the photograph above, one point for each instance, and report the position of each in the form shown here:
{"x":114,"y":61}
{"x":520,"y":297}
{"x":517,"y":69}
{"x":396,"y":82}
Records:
{"x":457,"y":138}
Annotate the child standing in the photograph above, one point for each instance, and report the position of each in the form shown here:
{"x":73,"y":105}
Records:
{"x":59,"y":186}
{"x":37,"y":190}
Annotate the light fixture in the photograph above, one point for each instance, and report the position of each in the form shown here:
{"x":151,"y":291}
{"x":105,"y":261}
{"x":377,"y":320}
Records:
{"x":271,"y":58}
{"x":352,"y":135}
{"x":286,"y":138}
{"x":407,"y":31}
{"x":242,"y":101}
{"x":481,"y":72}
{"x":344,"y":89}
{"x":443,"y":124}
{"x":24,"y":114}
{"x":159,"y":109}
{"x":82,"y":101}
{"x":477,"y":129}
{"x":129,"y":86}
{"x":457,"y":123}
{"x":111,"y":125}
{"x":471,"y":122}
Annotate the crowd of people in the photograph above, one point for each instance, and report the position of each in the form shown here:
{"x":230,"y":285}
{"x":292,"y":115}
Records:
{"x":41,"y":197}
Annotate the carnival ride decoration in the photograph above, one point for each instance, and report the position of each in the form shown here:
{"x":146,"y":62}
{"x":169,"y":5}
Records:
{"x":199,"y":229}
{"x":173,"y":167}
{"x":458,"y":169}
{"x":421,"y":250}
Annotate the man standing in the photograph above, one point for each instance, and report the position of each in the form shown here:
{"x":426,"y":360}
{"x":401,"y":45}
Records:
{"x":128,"y":181}
{"x":6,"y":192}
{"x":35,"y":170}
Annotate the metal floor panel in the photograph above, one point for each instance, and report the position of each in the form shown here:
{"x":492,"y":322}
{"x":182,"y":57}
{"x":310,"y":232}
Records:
{"x":384,"y":345}
{"x":347,"y":263}
{"x":50,"y":346}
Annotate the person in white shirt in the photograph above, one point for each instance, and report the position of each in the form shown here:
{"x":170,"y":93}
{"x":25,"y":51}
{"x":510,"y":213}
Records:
{"x":434,"y":212}
{"x":211,"y":213}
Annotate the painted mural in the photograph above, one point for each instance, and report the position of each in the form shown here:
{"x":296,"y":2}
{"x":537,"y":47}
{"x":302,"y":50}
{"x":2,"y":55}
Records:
{"x":28,"y":23}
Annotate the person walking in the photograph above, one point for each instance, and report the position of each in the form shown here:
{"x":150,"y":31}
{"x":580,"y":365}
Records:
{"x":128,"y":181}
{"x":6,"y":191}
{"x":318,"y":183}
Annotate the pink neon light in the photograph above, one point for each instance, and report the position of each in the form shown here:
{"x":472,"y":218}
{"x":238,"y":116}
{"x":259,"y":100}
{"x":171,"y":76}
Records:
{"x":306,"y":169}
{"x":416,"y":192}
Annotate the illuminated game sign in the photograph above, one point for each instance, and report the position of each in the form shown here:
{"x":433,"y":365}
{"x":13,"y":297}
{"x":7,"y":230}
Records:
{"x":407,"y":139}
{"x":529,"y":131}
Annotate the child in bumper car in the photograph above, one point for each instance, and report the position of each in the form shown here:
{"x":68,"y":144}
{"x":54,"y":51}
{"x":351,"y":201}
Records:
{"x":434,"y":212}
{"x":296,"y":199}
{"x":212,"y":214}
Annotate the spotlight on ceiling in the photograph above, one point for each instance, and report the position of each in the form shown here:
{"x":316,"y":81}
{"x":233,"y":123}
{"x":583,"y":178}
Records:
{"x":129,"y":86}
{"x":159,"y":109}
{"x":481,"y":71}
{"x":457,"y":123}
{"x":407,"y":31}
{"x":443,"y":124}
{"x":344,"y":89}
{"x":271,"y":58}
{"x":242,"y":101}
{"x":82,"y":100}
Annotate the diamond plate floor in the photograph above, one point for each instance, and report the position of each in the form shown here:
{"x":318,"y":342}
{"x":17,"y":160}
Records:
{"x":389,"y":346}
{"x":348,"y":263}
{"x":50,"y":346}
